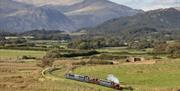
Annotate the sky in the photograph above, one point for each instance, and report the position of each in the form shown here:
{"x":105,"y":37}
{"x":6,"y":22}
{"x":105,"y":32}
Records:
{"x":149,"y":4}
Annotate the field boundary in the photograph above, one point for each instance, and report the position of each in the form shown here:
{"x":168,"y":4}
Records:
{"x":47,"y":73}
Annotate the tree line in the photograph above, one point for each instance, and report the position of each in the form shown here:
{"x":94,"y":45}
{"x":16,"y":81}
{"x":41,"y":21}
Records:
{"x":95,"y":43}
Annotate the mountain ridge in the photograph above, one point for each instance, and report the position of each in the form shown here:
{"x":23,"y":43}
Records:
{"x":47,"y":2}
{"x":97,"y":12}
{"x":36,"y":18}
{"x":82,"y":14}
{"x":161,"y":20}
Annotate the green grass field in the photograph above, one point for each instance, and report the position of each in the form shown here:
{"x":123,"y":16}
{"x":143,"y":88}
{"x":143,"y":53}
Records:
{"x":163,"y":75}
{"x":62,"y":84}
{"x":7,"y":53}
{"x":124,"y":49}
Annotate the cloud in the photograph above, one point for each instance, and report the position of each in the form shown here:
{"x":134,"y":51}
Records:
{"x":149,"y":4}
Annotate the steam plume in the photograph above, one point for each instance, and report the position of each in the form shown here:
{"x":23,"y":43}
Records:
{"x":113,"y":78}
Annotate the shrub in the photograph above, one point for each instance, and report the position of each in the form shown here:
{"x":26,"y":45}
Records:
{"x":109,"y":57}
{"x":102,"y":62}
{"x":28,"y":57}
{"x":80,"y":63}
{"x":173,"y":50}
{"x":156,"y":57}
{"x":57,"y":53}
{"x":46,"y":62}
{"x":79,"y":53}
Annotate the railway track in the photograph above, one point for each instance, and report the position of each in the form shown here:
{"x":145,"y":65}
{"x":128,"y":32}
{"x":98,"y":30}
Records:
{"x":47,"y":74}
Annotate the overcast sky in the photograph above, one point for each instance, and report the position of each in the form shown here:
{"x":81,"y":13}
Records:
{"x":149,"y":4}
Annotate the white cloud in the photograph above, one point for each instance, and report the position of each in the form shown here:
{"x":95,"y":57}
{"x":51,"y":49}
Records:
{"x":149,"y":4}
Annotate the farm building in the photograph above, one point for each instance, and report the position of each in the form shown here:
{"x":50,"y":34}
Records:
{"x":135,"y":59}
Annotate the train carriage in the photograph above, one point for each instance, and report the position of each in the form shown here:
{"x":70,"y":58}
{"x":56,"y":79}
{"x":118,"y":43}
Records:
{"x":94,"y":81}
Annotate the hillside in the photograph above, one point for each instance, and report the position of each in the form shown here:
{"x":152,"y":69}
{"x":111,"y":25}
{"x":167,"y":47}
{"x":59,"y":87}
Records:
{"x":9,"y":6}
{"x":36,"y":18}
{"x":47,"y":35}
{"x":68,"y":15}
{"x":152,"y":22}
{"x":90,"y":13}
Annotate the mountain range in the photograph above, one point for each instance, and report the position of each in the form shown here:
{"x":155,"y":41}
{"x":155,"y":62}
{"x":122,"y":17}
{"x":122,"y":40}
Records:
{"x":66,"y":15}
{"x":156,"y":22}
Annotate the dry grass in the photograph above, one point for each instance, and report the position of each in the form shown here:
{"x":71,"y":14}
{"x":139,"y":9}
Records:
{"x":18,"y":76}
{"x":26,"y":76}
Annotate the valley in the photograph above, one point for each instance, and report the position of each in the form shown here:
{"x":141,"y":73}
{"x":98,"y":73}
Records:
{"x":89,"y":45}
{"x":25,"y":74}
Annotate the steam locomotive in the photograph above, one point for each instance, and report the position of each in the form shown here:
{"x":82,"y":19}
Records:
{"x":101,"y":82}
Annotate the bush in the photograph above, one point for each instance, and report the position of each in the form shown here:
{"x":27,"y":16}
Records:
{"x":102,"y":62}
{"x":46,"y":62}
{"x":57,"y":53}
{"x":28,"y":57}
{"x":174,"y":50}
{"x":80,"y":63}
{"x":156,"y":57}
{"x":109,"y":57}
{"x":160,"y":47}
{"x":95,"y":43}
{"x":80,"y":53}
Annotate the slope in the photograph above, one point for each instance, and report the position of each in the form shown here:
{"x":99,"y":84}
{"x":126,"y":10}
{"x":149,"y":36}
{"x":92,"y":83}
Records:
{"x":36,"y":18}
{"x":157,"y":24}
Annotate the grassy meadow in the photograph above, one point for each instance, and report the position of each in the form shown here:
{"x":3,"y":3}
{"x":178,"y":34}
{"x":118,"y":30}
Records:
{"x":164,"y":75}
{"x":8,"y":53}
{"x":124,"y":49}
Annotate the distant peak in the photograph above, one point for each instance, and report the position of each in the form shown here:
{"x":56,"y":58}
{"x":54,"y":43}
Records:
{"x":163,"y":10}
{"x":59,"y":2}
{"x":177,"y":8}
{"x":50,"y":2}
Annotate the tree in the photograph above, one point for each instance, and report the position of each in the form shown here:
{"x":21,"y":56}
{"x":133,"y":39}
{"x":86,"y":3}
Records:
{"x":46,"y":62}
{"x":174,"y":50}
{"x":160,"y":47}
{"x":48,"y":59}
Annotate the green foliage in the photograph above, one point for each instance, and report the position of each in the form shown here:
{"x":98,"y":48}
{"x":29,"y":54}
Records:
{"x":92,"y":61}
{"x":95,"y":43}
{"x":47,"y":35}
{"x":109,"y":57}
{"x":160,"y":47}
{"x":142,"y":44}
{"x":46,"y":62}
{"x":102,"y":62}
{"x":58,"y":53}
{"x":173,"y":49}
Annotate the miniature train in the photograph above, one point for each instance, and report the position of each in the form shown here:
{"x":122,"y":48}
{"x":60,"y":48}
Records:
{"x":88,"y":79}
